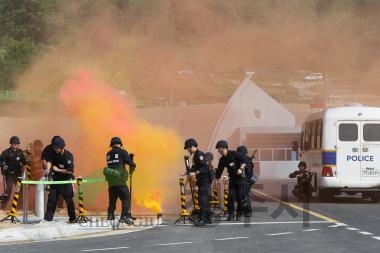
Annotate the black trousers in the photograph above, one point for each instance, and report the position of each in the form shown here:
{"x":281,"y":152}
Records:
{"x":204,"y":200}
{"x":246,"y":201}
{"x":236,"y":193}
{"x":121,"y":192}
{"x":10,"y":180}
{"x":66,"y":191}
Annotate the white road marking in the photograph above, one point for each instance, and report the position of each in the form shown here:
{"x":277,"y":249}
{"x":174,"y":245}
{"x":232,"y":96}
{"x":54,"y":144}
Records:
{"x":338,"y":225}
{"x":104,"y":249}
{"x":311,"y":230}
{"x":173,"y":243}
{"x":230,"y":238}
{"x":353,"y":229}
{"x":223,"y":223}
{"x":364,"y":233}
{"x":283,"y":233}
{"x":376,"y":237}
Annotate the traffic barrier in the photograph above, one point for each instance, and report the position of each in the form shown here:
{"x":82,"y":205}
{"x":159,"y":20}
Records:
{"x":215,"y":205}
{"x":195,"y":213}
{"x":225,"y":199}
{"x":183,"y":215}
{"x":12,"y":216}
{"x":81,"y":218}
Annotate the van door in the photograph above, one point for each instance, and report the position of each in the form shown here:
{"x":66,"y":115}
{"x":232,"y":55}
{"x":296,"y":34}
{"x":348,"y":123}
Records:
{"x":370,"y":165}
{"x":348,"y":151}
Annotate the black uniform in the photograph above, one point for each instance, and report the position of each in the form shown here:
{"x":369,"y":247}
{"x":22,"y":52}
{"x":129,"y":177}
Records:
{"x":303,"y":189}
{"x":12,"y":162}
{"x":232,"y":161}
{"x":63,"y":160}
{"x":47,"y":153}
{"x":116,"y":160}
{"x":204,"y":178}
{"x":248,"y":173}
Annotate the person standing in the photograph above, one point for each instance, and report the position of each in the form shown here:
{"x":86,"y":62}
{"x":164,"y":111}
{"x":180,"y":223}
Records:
{"x":62,"y":168}
{"x":13,"y":163}
{"x":234,"y":162}
{"x":200,"y":169}
{"x":116,"y":176}
{"x":246,"y":180}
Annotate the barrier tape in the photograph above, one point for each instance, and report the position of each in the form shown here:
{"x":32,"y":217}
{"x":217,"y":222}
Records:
{"x":95,"y":180}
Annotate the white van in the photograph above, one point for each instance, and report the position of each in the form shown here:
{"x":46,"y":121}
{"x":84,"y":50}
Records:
{"x":342,"y":146}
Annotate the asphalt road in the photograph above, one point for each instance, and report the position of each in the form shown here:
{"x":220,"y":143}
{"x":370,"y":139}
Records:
{"x":350,"y":224}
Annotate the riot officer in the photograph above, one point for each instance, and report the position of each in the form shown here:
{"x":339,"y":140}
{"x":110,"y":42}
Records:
{"x":235,"y":164}
{"x":116,"y":176}
{"x":303,"y":189}
{"x":62,"y":167}
{"x":200,"y":170}
{"x":247,"y":180}
{"x":12,"y":165}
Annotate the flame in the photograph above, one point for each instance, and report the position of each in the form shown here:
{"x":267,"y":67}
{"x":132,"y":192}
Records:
{"x":100,"y":113}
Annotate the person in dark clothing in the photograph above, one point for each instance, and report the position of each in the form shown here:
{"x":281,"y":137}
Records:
{"x":303,"y":189}
{"x":12,"y":165}
{"x":247,"y":184}
{"x":200,"y":170}
{"x":116,"y":176}
{"x":235,"y":164}
{"x":62,"y":167}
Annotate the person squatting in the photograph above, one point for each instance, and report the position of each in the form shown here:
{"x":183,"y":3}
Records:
{"x":303,"y":190}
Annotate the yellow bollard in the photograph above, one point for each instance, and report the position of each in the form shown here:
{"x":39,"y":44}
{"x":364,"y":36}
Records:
{"x":183,"y":215}
{"x":12,"y":216}
{"x":215,"y":205}
{"x":225,"y":200}
{"x":81,"y":216}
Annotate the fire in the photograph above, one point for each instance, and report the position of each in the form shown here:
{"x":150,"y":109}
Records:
{"x":100,"y":112}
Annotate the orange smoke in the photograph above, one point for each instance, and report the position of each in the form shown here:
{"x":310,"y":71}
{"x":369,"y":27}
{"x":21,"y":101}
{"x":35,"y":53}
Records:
{"x":100,"y":113}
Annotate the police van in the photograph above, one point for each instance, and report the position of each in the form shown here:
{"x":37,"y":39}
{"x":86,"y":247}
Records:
{"x":342,"y":146}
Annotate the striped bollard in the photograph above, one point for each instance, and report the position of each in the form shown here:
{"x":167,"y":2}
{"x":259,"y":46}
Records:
{"x":12,"y":216}
{"x":225,"y":199}
{"x":183,"y":215}
{"x":81,"y":216}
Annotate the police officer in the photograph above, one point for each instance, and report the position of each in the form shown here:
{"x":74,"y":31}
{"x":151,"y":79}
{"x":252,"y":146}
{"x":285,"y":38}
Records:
{"x":200,"y":170}
{"x":12,"y":165}
{"x":116,"y":176}
{"x":47,"y":153}
{"x":62,"y":167}
{"x":303,"y":190}
{"x":235,"y":164}
{"x":247,"y":180}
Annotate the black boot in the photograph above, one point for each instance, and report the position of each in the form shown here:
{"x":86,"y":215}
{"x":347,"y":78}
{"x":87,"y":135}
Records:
{"x":230,"y":217}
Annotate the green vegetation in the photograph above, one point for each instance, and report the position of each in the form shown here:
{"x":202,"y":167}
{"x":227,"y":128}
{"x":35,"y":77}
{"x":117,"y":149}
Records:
{"x":28,"y":27}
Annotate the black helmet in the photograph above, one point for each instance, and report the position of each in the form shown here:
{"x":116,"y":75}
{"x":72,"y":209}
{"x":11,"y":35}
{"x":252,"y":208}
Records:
{"x":190,"y":142}
{"x":115,"y":141}
{"x":14,"y":140}
{"x":221,"y":144}
{"x":302,"y":163}
{"x":59,"y":142}
{"x":54,"y":137}
{"x":242,"y":150}
{"x":209,"y":156}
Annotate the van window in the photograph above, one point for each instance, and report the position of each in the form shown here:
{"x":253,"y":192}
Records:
{"x":348,"y":132}
{"x":371,"y":132}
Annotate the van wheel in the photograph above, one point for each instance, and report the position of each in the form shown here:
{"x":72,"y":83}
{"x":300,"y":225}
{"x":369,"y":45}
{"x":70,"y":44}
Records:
{"x":325,"y":195}
{"x":375,"y":197}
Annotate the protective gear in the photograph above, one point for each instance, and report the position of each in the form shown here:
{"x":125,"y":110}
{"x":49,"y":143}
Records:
{"x":54,"y":137}
{"x":303,"y":164}
{"x":190,"y":142}
{"x":221,"y":144}
{"x":242,"y":150}
{"x":59,"y":142}
{"x":115,"y":141}
{"x":209,"y":156}
{"x":14,"y":140}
